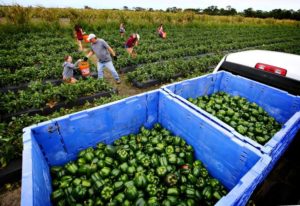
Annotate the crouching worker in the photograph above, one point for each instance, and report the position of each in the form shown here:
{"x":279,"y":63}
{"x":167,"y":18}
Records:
{"x":69,"y":67}
{"x":131,"y":43}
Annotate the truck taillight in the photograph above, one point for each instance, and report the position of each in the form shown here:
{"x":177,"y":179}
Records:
{"x":270,"y":68}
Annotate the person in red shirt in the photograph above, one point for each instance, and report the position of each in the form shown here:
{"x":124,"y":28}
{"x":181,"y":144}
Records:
{"x":131,"y":43}
{"x":79,"y":36}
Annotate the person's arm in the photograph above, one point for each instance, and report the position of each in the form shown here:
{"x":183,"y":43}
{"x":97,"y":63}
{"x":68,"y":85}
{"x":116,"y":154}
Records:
{"x":75,"y":35}
{"x":90,"y":54}
{"x":70,"y":66}
{"x":76,"y":63}
{"x":136,"y":42}
{"x":111,"y":51}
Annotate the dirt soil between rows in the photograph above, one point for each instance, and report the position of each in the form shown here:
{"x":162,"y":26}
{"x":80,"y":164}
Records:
{"x":11,"y":198}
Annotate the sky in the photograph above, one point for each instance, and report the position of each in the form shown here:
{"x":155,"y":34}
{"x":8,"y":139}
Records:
{"x":240,"y":5}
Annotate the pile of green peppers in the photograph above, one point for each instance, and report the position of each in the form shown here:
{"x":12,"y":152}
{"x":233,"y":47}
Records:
{"x":150,"y":168}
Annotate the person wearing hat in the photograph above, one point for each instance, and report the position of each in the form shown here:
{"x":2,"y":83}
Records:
{"x":122,"y":30}
{"x":131,"y":43}
{"x":103,"y":52}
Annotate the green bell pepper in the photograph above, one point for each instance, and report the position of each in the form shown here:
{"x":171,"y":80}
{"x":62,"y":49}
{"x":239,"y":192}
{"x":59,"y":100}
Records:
{"x":140,"y":202}
{"x":131,"y":192}
{"x":176,"y":140}
{"x":190,"y":202}
{"x":109,"y":161}
{"x":172,"y":199}
{"x":169,"y":150}
{"x":163,"y":161}
{"x":214,"y":183}
{"x":197,"y":171}
{"x":110,"y":150}
{"x":152,"y":201}
{"x":171,"y":179}
{"x":191,"y":178}
{"x":172,"y":158}
{"x":207,"y":193}
{"x":76,"y":181}
{"x":91,"y":192}
{"x":203,"y":172}
{"x":107,"y":193}
{"x":122,"y":154}
{"x":101,"y":163}
{"x":180,"y":161}
{"x":161,"y":171}
{"x":154,"y":160}
{"x":146,"y":161}
{"x":166,"y":202}
{"x":105,"y":172}
{"x":190,"y":192}
{"x":129,"y":183}
{"x":151,"y":178}
{"x":151,"y":189}
{"x":131,"y":171}
{"x":98,"y":184}
{"x":189,"y":157}
{"x":85,"y":183}
{"x":124,"y":167}
{"x":173,"y":191}
{"x":79,"y":192}
{"x":200,"y":182}
{"x":160,"y":147}
{"x":57,"y":195}
{"x":126,"y":203}
{"x":123,"y":177}
{"x":115,"y":173}
{"x":217,"y":195}
{"x":140,"y":181}
{"x":118,"y":185}
{"x":71,"y":168}
{"x":120,"y":198}
{"x":133,"y":162}
{"x":98,"y":202}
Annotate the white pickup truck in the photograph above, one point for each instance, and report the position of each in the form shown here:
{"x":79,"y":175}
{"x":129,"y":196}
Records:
{"x":280,"y":70}
{"x":277,"y":69}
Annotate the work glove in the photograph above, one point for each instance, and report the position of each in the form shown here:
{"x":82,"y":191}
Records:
{"x":85,"y":58}
{"x":115,"y":57}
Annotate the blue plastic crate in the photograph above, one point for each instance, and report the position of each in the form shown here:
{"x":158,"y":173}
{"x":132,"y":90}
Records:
{"x":284,"y":107}
{"x":237,"y":165}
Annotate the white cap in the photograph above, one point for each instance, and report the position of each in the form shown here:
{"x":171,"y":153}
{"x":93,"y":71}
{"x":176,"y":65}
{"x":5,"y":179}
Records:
{"x":138,"y":36}
{"x":91,"y":36}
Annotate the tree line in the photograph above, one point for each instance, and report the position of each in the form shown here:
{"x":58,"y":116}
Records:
{"x":229,"y":11}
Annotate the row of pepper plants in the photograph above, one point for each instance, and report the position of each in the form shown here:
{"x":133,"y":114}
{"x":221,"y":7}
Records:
{"x":166,"y":71}
{"x":169,"y":69}
{"x":11,"y":131}
{"x":39,"y":94}
{"x":34,"y":55}
{"x":40,"y":54}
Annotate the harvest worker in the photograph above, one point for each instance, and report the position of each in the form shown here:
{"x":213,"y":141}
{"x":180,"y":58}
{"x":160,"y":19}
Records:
{"x":68,"y":74}
{"x":79,"y":36}
{"x":103,"y":51}
{"x":122,"y":30}
{"x":131,"y":43}
{"x":160,"y":31}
